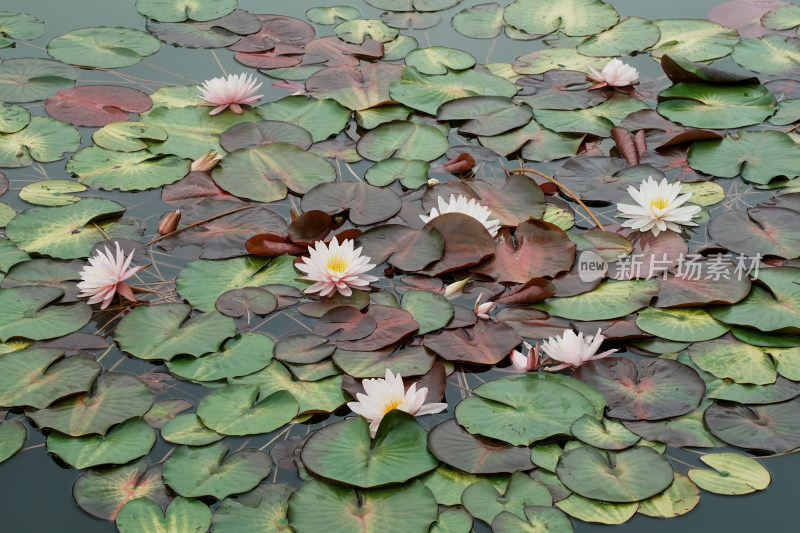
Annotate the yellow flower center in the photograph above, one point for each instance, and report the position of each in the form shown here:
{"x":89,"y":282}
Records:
{"x":659,"y":202}
{"x":391,"y":405}
{"x":336,"y":264}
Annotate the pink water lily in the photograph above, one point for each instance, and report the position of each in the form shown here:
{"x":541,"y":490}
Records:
{"x":230,"y":93}
{"x":388,"y":393}
{"x":482,"y":309}
{"x":573,"y":350}
{"x":615,"y":74}
{"x":336,"y":267}
{"x":105,"y":276}
{"x":526,"y":363}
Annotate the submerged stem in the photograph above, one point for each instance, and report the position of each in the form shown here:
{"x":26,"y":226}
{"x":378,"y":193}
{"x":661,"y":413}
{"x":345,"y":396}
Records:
{"x":574,"y":196}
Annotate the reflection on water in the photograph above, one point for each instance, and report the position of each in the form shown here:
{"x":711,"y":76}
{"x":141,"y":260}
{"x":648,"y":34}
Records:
{"x":35,"y":490}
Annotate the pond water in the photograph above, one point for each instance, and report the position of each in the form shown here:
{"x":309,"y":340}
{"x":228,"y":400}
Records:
{"x":35,"y":487}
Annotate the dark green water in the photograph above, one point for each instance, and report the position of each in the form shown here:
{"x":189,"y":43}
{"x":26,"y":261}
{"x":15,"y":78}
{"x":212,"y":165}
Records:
{"x":35,"y":491}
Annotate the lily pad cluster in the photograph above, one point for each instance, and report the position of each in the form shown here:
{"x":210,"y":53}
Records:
{"x":223,"y":342}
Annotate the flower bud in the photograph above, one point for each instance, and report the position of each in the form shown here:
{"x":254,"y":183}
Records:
{"x":206,"y":162}
{"x":170,"y":222}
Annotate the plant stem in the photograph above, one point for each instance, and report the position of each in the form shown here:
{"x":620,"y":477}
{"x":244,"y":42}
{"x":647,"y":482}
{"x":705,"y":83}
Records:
{"x":574,"y":196}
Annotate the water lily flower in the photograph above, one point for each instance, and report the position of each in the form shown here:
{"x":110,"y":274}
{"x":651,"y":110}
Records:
{"x":482,"y":309}
{"x":574,"y":350}
{"x":615,"y":74}
{"x":385,"y":394}
{"x":230,"y":93}
{"x":526,"y":363}
{"x":658,"y":207}
{"x":105,"y":275}
{"x":336,"y":267}
{"x":469,"y":207}
{"x":207,"y":161}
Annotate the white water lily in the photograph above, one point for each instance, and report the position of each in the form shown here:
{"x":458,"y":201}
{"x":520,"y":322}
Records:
{"x":386,"y":394}
{"x":573,"y":350}
{"x":469,"y":207}
{"x":616,"y":74}
{"x":336,"y":267}
{"x":658,"y":207}
{"x":230,"y":93}
{"x":105,"y":276}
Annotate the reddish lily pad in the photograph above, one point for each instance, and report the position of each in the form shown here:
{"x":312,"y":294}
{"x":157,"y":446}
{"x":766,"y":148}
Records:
{"x":485,"y":343}
{"x":353,"y":88}
{"x":701,"y":286}
{"x":275,"y":29}
{"x":366,"y":204}
{"x":466,"y":243}
{"x":97,"y":105}
{"x":538,"y":249}
{"x":393,"y":324}
{"x":345,"y":323}
{"x":406,"y":248}
{"x":774,"y":428}
{"x":646,"y":389}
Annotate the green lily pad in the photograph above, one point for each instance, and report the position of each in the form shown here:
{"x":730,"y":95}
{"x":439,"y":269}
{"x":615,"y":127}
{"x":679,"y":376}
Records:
{"x":66,"y":232}
{"x":189,"y":430}
{"x":143,"y":514}
{"x":37,"y":377}
{"x":51,"y":192}
{"x":24,"y":313}
{"x":413,"y":5}
{"x":680,"y":431}
{"x":733,"y":474}
{"x":744,"y":363}
{"x":262,"y":509}
{"x":770,"y":54}
{"x":485,"y":115}
{"x":191,"y":131}
{"x":778,"y":309}
{"x":485,"y":502}
{"x":201,"y":282}
{"x":404,"y":140}
{"x":483,"y":21}
{"x":452,"y":521}
{"x":103,"y":491}
{"x":163,"y":331}
{"x":28,"y":80}
{"x":759,"y":156}
{"x":709,"y":105}
{"x":12,"y":438}
{"x":321,"y":396}
{"x":10,"y":255}
{"x":782,"y":18}
{"x":630,"y":35}
{"x":268,"y":172}
{"x":626,"y":476}
{"x":427,"y":93}
{"x":43,"y":140}
{"x":589,"y":510}
{"x":328,"y":15}
{"x":521,"y":410}
{"x":127,"y":136}
{"x":547,"y":59}
{"x":447,"y":484}
{"x":474,"y":454}
{"x":694,"y":39}
{"x":242,"y":355}
{"x":611,"y":299}
{"x":537,"y":520}
{"x":606,"y":434}
{"x":115,"y":397}
{"x":680,"y":324}
{"x":200,"y":10}
{"x":13,"y":118}
{"x":572,"y":17}
{"x":320,"y":506}
{"x":439,"y":60}
{"x":412,"y":173}
{"x":432,"y":311}
{"x":20,"y":26}
{"x":679,"y":498}
{"x":165,"y":410}
{"x":344,"y":451}
{"x":196,"y":471}
{"x":127,"y":171}
{"x":240,"y":410}
{"x":125,"y":442}
{"x":537,"y":143}
{"x":103,"y":47}
{"x":411,"y":361}
{"x":355,"y":31}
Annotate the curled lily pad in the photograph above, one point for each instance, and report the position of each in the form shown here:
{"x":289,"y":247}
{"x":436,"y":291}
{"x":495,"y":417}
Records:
{"x":733,"y":474}
{"x":103,"y":47}
{"x":344,"y":451}
{"x":626,"y":476}
{"x":127,"y":136}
